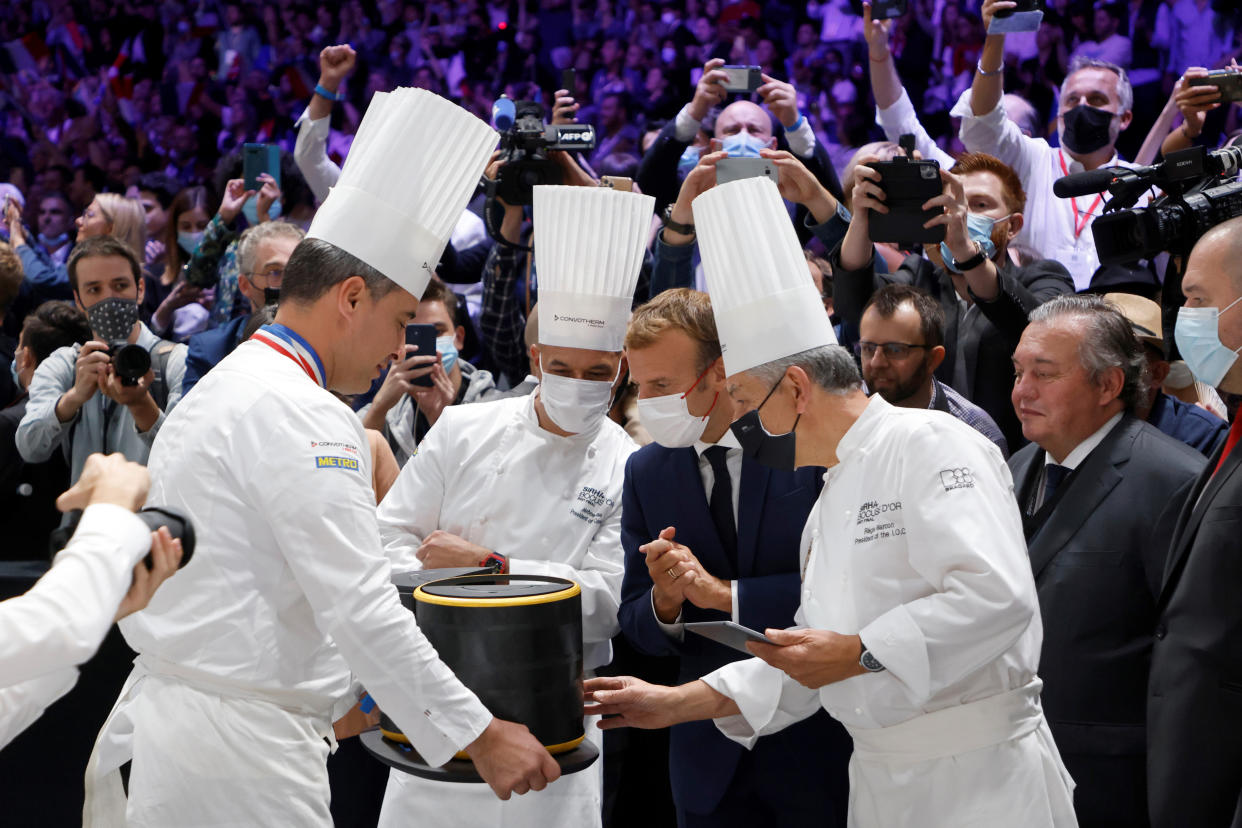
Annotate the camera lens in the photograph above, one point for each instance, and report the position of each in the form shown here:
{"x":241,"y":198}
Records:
{"x":131,"y":363}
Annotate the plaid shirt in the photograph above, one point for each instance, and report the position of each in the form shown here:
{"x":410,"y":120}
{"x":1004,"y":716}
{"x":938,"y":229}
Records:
{"x":969,"y":413}
{"x":502,"y":320}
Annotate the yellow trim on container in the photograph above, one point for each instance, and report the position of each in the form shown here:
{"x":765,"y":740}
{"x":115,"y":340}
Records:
{"x":521,"y":601}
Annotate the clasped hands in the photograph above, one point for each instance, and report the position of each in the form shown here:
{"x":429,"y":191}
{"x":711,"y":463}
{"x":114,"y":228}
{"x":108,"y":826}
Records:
{"x":677,"y":577}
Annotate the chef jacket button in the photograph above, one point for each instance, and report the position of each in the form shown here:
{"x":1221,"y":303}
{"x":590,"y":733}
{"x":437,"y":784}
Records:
{"x":1161,"y":631}
{"x":591,"y":452}
{"x":889,"y":640}
{"x":857,"y":711}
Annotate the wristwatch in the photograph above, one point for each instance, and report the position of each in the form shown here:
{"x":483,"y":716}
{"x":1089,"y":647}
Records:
{"x":967,"y":264}
{"x":676,"y":226}
{"x":496,"y":562}
{"x":869,"y":662}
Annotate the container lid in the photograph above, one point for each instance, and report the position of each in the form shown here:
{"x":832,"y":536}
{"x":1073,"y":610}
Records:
{"x":496,"y":590}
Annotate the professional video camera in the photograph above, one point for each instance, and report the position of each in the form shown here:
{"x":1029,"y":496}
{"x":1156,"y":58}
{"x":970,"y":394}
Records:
{"x":524,"y":145}
{"x":1200,"y":188}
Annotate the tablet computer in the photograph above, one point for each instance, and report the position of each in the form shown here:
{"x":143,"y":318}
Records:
{"x":728,"y":633}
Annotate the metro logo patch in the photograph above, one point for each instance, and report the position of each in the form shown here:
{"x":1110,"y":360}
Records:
{"x":336,"y":463}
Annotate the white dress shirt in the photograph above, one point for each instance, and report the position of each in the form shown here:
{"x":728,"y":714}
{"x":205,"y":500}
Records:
{"x":1075,"y":458}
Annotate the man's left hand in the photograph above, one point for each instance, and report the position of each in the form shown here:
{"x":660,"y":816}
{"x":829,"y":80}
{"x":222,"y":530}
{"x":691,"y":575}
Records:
{"x":443,"y":549}
{"x":799,"y":185}
{"x":126,"y":395}
{"x":813,"y":658}
{"x":781,"y":99}
{"x":953,"y":201}
{"x":433,"y":399}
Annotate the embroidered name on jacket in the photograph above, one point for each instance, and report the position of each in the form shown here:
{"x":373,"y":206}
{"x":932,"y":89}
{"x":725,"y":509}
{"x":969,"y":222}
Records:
{"x":588,"y":500}
{"x":881,"y":521}
{"x":336,"y":463}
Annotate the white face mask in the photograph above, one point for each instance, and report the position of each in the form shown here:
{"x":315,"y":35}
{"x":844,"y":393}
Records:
{"x":669,"y":421}
{"x":575,"y":405}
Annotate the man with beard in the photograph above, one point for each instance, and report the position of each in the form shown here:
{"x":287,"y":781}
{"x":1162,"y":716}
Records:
{"x":985,"y":297}
{"x":901,"y":345}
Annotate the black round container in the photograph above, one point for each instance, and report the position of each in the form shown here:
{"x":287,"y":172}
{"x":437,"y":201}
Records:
{"x":516,"y":641}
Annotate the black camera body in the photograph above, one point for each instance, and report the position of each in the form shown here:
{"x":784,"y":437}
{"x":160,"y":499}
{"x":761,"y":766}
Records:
{"x":908,"y":183}
{"x":524,"y":149}
{"x":130,"y":362}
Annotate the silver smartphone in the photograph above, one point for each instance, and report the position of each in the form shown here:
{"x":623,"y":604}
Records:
{"x":735,"y":169}
{"x":728,"y":633}
{"x":742,"y":78}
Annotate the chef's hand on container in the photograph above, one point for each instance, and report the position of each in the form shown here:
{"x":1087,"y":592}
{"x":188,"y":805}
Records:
{"x":511,"y":760}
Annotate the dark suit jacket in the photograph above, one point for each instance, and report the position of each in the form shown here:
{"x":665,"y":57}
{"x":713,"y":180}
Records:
{"x":205,"y":350}
{"x":663,"y":488}
{"x":1194,"y":705}
{"x":657,"y":172}
{"x":987,"y":336}
{"x":1202,"y":430}
{"x":1098,"y":559}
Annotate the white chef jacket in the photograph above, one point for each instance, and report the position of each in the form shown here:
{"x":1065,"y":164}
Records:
{"x":915,"y":544}
{"x":1049,"y":226}
{"x":490,"y":474}
{"x":287,"y":578}
{"x":61,"y":620}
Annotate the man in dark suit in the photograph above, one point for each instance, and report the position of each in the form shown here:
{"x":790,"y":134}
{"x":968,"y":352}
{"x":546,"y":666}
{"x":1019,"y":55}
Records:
{"x":1099,"y":490}
{"x":1194,"y":706}
{"x":985,"y":296}
{"x":710,"y":535}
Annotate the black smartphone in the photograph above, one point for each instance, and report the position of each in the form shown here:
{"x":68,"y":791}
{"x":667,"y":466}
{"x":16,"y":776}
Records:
{"x":1021,"y":6}
{"x":424,"y":338}
{"x":742,"y":78}
{"x":907,"y":185}
{"x":1228,"y":81}
{"x":569,"y":82}
{"x":888,"y":9}
{"x":258,"y":159}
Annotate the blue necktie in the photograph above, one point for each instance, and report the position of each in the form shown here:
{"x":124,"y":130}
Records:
{"x":1053,"y":476}
{"x":720,"y":502}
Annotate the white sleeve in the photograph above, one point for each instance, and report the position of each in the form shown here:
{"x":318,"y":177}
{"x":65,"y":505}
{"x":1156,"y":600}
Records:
{"x":329,"y":539}
{"x":901,"y":119}
{"x":62,"y":619}
{"x":996,"y":135}
{"x":685,"y":127}
{"x":411,"y":509}
{"x":769,"y":700}
{"x":310,"y":153}
{"x":21,"y":704}
{"x":982,"y":594}
{"x":599,"y":574}
{"x":802,"y":140}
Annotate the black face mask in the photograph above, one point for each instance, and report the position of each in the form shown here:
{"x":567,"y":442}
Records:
{"x":776,"y":451}
{"x":271,"y":296}
{"x":113,"y":319}
{"x":1086,"y":129}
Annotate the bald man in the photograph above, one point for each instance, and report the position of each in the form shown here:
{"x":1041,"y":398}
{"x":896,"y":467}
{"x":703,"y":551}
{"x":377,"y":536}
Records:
{"x":1194,"y":707}
{"x":658,"y":172}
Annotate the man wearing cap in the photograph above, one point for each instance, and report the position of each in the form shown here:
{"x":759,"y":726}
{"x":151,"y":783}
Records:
{"x":534,"y":482}
{"x":922,"y":634}
{"x":244,"y":666}
{"x":1099,"y":491}
{"x":711,"y":535}
{"x":1192,"y":424}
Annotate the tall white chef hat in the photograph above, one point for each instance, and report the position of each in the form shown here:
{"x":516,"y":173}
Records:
{"x":764,"y":300}
{"x":589,"y":244}
{"x":413,"y":166}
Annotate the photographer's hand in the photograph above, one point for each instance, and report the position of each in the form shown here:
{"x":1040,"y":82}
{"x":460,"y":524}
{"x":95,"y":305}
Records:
{"x":13,"y":218}
{"x":983,"y":278}
{"x":137,"y":398}
{"x":710,"y":89}
{"x":269,"y":194}
{"x":235,"y":196}
{"x":698,"y":181}
{"x":564,"y":108}
{"x":856,"y":247}
{"x":799,"y":185}
{"x":511,"y":225}
{"x":781,"y":99}
{"x":91,"y":364}
{"x":1195,"y":102}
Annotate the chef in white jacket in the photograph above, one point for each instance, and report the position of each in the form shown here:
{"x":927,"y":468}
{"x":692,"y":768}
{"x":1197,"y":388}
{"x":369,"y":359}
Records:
{"x":97,"y":578}
{"x":245,"y":660}
{"x":535,"y":481}
{"x":922,"y":627}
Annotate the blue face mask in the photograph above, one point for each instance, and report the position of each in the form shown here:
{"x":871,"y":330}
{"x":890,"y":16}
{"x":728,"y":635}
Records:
{"x":743,"y":145}
{"x":17,"y":383}
{"x":980,"y":229}
{"x":251,"y":211}
{"x":688,"y":161}
{"x":448,"y":352}
{"x":1197,"y":333}
{"x":189,"y":242}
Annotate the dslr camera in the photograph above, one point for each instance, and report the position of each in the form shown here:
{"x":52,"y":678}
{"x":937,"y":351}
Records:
{"x":525,"y":141}
{"x":130,"y":362}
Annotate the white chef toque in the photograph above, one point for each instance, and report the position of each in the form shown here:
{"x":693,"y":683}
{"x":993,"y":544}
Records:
{"x":589,"y":244}
{"x":413,"y":166}
{"x":764,"y":300}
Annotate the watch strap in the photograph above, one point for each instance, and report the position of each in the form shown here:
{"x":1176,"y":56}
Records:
{"x":497,"y":562}
{"x":676,"y":226}
{"x":969,"y":264}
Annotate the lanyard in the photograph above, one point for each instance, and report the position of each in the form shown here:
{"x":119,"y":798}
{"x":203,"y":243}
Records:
{"x":286,"y":341}
{"x":1079,"y":226}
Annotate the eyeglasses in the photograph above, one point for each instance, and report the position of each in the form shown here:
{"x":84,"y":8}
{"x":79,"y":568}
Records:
{"x":892,"y":350}
{"x":273,"y":274}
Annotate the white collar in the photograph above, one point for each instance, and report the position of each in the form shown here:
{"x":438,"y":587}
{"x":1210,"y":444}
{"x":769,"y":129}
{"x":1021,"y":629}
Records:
{"x":729,"y":441}
{"x":1074,"y":459}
